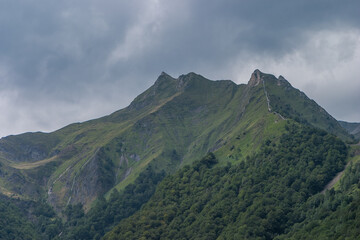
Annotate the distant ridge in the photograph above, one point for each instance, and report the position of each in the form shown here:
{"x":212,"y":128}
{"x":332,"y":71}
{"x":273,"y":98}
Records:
{"x":352,"y":128}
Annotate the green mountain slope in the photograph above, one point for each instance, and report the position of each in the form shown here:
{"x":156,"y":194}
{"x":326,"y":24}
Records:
{"x":21,"y":219}
{"x":260,"y":198}
{"x":352,"y":128}
{"x":13,"y":222}
{"x":333,"y":215}
{"x":168,"y":126}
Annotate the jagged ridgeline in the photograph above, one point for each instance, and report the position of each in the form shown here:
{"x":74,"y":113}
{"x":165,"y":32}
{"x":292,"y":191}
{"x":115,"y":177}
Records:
{"x":172,"y":124}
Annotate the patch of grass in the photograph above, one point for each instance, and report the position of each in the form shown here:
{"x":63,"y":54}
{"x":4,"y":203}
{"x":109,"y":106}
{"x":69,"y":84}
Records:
{"x":31,"y":165}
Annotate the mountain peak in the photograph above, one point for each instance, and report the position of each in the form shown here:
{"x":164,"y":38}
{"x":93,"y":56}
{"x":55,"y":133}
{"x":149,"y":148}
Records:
{"x":257,"y":71}
{"x":255,"y":78}
{"x":164,"y":74}
{"x":181,"y":80}
{"x":163,"y":78}
{"x":283,"y":82}
{"x":281,"y":78}
{"x":190,"y":75}
{"x":185,"y":80}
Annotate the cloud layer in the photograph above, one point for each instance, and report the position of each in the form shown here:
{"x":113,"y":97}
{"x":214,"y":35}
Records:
{"x":68,"y":61}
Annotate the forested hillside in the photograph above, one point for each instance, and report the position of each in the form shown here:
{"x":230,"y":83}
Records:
{"x":30,"y":220}
{"x":333,"y":215}
{"x":259,"y":198}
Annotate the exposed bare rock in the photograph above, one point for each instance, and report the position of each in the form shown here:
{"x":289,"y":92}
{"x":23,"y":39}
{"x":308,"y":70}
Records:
{"x":255,"y":78}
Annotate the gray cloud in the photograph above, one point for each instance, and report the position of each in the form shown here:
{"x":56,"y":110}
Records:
{"x":67,"y":61}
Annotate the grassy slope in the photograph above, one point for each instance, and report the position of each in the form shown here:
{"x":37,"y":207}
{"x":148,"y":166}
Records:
{"x":73,"y":145}
{"x":292,"y":103}
{"x":187,"y":127}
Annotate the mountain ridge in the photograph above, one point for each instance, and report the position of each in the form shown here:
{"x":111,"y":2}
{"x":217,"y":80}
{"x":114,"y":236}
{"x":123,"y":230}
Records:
{"x":173,"y":122}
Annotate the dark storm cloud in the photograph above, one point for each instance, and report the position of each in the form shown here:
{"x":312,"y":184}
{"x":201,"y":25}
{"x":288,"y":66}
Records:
{"x":65,"y":61}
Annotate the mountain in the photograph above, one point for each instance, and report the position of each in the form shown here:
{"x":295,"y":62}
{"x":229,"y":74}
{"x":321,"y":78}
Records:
{"x":352,"y":128}
{"x":173,"y":122}
{"x":166,"y":129}
{"x":167,"y":126}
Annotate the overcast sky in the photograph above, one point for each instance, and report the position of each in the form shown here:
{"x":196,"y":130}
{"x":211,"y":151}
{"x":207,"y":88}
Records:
{"x":70,"y":61}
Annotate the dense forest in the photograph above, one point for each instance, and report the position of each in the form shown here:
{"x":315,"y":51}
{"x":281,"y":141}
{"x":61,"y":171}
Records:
{"x":333,"y":215}
{"x":24,"y":219}
{"x":260,"y":198}
{"x":273,"y":194}
{"x":13,"y":222}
